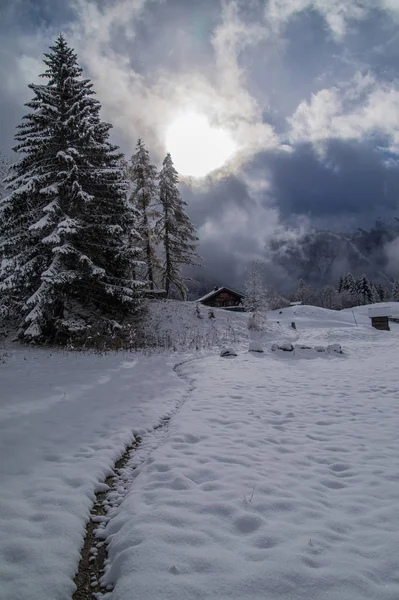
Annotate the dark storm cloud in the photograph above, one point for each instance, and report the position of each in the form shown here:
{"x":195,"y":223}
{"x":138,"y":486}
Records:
{"x":351,"y":185}
{"x":25,"y":16}
{"x":209,"y":202}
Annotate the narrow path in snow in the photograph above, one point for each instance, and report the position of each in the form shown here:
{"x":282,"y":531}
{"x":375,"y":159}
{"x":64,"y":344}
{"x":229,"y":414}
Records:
{"x":94,"y":551}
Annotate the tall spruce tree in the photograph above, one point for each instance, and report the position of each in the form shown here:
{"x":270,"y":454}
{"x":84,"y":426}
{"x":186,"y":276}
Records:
{"x":395,"y":291}
{"x":363,"y":290}
{"x":4,"y":167}
{"x":65,"y":220}
{"x":348,"y":284}
{"x":144,"y":198}
{"x":175,"y":230}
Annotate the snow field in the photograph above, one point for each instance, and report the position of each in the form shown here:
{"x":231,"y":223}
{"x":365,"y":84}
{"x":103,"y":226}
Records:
{"x":275,"y":476}
{"x":277,"y":479}
{"x":64,"y":420}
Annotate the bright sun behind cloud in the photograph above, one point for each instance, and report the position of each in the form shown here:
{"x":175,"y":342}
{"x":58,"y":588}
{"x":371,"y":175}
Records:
{"x":196,"y":147}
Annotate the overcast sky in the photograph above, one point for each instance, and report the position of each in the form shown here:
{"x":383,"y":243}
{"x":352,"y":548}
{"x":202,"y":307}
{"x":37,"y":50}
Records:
{"x":308,"y":88}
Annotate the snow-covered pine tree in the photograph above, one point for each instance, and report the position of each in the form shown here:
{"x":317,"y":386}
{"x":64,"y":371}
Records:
{"x":395,"y":291}
{"x":348,"y":283}
{"x":304,"y":293}
{"x":175,"y":230}
{"x":375,"y":296}
{"x":5,"y":311}
{"x":329,"y":298}
{"x":4,"y":166}
{"x":347,"y":295}
{"x":381,"y":292}
{"x":144,"y":199}
{"x":363,"y":291}
{"x":65,"y":220}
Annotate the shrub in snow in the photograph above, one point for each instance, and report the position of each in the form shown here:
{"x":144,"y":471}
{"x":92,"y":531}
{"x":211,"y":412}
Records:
{"x":320,"y":348}
{"x":227,"y":352}
{"x":255,"y":300}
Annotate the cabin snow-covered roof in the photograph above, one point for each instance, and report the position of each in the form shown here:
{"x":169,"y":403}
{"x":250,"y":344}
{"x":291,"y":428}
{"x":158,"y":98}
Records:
{"x":380,"y":311}
{"x":217,"y":291}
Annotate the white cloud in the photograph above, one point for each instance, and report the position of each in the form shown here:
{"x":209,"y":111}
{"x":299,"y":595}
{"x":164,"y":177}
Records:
{"x":355,"y":110}
{"x":338,"y":14}
{"x":144,"y":105}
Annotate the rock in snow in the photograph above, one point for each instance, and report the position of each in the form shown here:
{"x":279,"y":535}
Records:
{"x":227,"y":352}
{"x":286,"y":347}
{"x":334,"y":348}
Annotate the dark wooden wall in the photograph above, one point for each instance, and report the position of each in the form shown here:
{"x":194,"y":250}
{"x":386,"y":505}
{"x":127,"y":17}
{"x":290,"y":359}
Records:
{"x":381,"y":323}
{"x":223,"y":299}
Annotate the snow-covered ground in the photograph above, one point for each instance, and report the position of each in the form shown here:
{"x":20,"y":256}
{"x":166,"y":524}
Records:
{"x":278,"y":476}
{"x":64,"y":420}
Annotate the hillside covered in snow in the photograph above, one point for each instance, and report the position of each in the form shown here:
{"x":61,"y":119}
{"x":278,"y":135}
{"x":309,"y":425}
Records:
{"x":269,"y":474}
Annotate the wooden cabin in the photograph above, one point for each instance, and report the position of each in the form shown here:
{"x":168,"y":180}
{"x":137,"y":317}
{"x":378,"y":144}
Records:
{"x":380,"y":317}
{"x":222,"y":298}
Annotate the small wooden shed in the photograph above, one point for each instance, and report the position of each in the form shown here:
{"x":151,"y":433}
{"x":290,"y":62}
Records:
{"x":380,"y":318}
{"x":222,"y":298}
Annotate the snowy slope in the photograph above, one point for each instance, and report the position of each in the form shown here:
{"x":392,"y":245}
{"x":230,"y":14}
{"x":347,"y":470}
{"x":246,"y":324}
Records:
{"x":278,"y":478}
